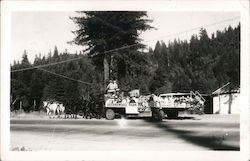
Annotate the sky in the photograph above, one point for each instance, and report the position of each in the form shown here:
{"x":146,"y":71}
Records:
{"x":40,"y":32}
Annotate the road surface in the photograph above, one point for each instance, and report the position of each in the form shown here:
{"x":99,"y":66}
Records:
{"x":188,"y":132}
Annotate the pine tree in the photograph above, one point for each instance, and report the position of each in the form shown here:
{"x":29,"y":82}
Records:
{"x":106,"y":31}
{"x":55,"y":53}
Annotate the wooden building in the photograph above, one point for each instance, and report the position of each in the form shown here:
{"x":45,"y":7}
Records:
{"x":226,"y":100}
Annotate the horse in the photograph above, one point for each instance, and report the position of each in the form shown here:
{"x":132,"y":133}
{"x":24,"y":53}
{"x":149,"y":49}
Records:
{"x":53,"y":108}
{"x":60,"y":109}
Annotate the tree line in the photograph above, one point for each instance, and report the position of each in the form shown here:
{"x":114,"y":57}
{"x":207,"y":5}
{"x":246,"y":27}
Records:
{"x":80,"y":85}
{"x":201,"y":64}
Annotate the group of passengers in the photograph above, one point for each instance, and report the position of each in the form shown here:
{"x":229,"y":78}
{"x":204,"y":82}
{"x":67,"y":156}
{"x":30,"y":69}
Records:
{"x":118,"y":97}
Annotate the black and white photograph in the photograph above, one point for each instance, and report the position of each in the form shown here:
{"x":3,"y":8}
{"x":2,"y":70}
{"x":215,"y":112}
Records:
{"x":96,"y":81}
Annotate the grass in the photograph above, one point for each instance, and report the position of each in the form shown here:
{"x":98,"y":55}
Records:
{"x":22,"y":114}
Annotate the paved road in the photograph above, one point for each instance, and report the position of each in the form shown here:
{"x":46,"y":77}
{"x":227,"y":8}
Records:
{"x":188,"y":132}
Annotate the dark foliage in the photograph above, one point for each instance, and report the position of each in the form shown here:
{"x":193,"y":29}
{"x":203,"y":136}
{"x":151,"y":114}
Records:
{"x":204,"y":64}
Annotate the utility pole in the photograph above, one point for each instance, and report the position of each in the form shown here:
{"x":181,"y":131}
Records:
{"x":111,"y":71}
{"x":106,"y":70}
{"x":34,"y":105}
{"x":21,"y":103}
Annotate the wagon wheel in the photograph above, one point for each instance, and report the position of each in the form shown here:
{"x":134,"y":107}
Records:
{"x":172,"y":114}
{"x":110,"y":114}
{"x":162,"y":113}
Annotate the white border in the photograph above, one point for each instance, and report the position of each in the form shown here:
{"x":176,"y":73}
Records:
{"x":10,"y":6}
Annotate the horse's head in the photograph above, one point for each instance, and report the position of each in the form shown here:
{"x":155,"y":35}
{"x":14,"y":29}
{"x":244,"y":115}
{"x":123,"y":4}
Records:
{"x":46,"y":104}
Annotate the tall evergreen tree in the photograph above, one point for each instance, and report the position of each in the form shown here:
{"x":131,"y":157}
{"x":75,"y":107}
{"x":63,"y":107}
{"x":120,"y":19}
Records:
{"x":106,"y":31}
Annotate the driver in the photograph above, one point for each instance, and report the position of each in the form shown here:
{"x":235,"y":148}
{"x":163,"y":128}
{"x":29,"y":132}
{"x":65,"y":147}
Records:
{"x":111,"y":88}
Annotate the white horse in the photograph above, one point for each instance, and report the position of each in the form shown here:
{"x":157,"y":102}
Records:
{"x":60,"y":109}
{"x":53,"y":108}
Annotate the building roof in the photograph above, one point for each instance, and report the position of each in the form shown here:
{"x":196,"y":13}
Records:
{"x":227,"y":89}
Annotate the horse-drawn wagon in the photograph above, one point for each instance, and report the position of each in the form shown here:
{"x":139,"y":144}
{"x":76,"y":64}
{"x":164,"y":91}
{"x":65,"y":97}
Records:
{"x":153,"y":106}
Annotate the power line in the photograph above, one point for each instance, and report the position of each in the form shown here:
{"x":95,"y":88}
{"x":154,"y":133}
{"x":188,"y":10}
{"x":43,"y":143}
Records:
{"x":195,"y":28}
{"x":45,"y":65}
{"x":173,"y":34}
{"x":128,"y":46}
{"x":63,"y":76}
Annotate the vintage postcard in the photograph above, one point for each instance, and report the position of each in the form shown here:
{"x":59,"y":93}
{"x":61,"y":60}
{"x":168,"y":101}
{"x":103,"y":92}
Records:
{"x":125,"y":80}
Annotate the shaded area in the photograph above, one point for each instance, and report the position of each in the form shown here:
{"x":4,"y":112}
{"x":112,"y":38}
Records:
{"x":141,"y":131}
{"x":182,"y":118}
{"x":167,"y":118}
{"x":133,"y":128}
{"x":62,"y":122}
{"x":213,"y":141}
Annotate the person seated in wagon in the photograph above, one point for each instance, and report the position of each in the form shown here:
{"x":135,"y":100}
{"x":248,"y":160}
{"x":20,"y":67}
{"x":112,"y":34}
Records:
{"x":112,"y":88}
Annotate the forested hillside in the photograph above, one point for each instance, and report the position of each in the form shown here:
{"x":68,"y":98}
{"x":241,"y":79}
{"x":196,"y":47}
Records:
{"x":203,"y":63}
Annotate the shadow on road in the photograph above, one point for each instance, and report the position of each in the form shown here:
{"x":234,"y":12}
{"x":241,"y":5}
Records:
{"x":165,"y":118}
{"x":181,"y":118}
{"x":211,"y":141}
